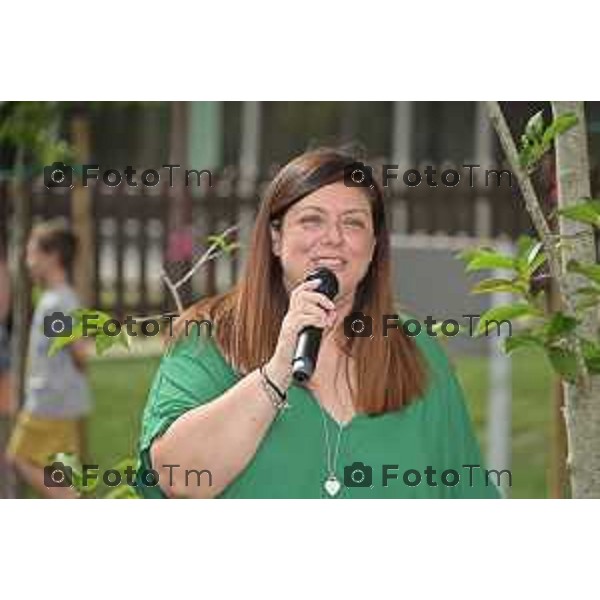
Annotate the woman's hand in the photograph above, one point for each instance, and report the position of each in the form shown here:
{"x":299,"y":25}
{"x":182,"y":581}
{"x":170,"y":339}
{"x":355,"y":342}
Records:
{"x":306,"y":307}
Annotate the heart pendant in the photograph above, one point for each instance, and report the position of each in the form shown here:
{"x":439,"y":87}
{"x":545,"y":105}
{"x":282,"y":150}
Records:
{"x":332,"y":485}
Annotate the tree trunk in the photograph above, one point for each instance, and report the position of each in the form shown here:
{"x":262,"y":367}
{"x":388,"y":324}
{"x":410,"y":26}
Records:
{"x":21,"y":300}
{"x":581,"y":408}
{"x":558,"y":475}
{"x":81,"y":212}
{"x":180,"y":227}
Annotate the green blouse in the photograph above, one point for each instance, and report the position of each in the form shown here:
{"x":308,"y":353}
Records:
{"x":417,"y":452}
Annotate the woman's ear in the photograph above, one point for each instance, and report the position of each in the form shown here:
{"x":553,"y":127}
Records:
{"x":275,"y":239}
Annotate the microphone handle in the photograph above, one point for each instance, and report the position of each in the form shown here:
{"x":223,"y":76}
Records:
{"x":307,"y":349}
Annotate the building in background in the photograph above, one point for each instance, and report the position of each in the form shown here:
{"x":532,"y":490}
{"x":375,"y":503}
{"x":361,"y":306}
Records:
{"x":137,"y":231}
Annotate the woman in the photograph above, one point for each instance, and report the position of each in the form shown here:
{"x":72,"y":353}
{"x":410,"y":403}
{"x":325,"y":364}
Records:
{"x":216,"y":406}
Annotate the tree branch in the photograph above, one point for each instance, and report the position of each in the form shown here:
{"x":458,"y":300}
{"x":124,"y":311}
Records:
{"x":539,"y":221}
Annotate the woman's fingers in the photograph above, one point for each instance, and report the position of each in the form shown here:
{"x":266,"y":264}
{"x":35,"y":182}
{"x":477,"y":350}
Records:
{"x":305,"y":294}
{"x":307,"y":307}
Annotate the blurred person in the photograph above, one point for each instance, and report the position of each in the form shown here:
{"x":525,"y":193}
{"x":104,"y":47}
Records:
{"x":5,"y":380}
{"x":215,"y":424}
{"x":57,"y":395}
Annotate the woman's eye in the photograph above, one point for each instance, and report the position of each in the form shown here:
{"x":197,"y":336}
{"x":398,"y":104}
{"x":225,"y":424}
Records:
{"x":310,"y":219}
{"x":354,"y":223}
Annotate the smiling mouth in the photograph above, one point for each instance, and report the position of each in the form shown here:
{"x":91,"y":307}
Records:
{"x":330,"y":262}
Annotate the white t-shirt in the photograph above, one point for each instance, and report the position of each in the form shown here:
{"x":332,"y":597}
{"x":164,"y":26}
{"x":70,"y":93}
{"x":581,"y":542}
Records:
{"x":55,"y":388}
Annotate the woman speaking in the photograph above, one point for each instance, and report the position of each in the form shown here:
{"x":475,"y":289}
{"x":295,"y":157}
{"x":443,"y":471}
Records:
{"x":382,"y":416}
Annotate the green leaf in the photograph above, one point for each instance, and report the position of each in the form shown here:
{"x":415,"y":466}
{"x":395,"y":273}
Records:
{"x":524,"y":245}
{"x":437,"y":329}
{"x":564,"y":363}
{"x":537,"y":262}
{"x":58,"y":343}
{"x":94,"y":324}
{"x":32,"y":126}
{"x":587,"y":211}
{"x":530,"y":256}
{"x":590,"y":349}
{"x":96,"y":321}
{"x":591,"y":354}
{"x":505,"y":312}
{"x":537,"y":140}
{"x":105,"y":342}
{"x":484,"y":258}
{"x":488,"y":286}
{"x":558,"y":126}
{"x":593,"y":365}
{"x":533,"y":253}
{"x":514,"y":342}
{"x":560,"y":325}
{"x":525,"y":155}
{"x":217,"y":240}
{"x":221,"y":242}
{"x":535,"y":126}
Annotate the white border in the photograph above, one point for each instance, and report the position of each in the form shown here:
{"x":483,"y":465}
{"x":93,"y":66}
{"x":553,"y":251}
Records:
{"x":299,"y":549}
{"x":464,"y":50}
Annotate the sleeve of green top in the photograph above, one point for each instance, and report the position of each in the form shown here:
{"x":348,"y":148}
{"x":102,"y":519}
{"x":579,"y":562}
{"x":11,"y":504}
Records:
{"x":189,"y":375}
{"x":454,"y":433}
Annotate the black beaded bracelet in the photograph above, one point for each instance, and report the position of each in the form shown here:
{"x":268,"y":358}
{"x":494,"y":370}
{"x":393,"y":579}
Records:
{"x":272,"y":384}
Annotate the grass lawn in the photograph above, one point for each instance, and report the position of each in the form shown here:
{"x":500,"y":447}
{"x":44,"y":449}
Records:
{"x":121,"y":386}
{"x":532,"y":391}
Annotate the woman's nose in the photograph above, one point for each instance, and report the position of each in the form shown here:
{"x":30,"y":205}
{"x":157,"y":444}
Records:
{"x":334,"y":233}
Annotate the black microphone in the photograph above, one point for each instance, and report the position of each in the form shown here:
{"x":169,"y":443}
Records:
{"x":309,"y":339}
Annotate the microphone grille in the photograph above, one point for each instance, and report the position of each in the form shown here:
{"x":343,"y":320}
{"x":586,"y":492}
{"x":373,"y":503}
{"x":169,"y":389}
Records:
{"x":329,"y":282}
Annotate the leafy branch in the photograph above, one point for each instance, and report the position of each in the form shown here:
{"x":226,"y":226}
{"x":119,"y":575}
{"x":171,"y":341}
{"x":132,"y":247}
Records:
{"x":570,"y":354}
{"x":555,"y":334}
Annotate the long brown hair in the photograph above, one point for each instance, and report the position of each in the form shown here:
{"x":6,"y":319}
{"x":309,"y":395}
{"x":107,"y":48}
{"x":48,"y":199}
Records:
{"x":390,"y":371}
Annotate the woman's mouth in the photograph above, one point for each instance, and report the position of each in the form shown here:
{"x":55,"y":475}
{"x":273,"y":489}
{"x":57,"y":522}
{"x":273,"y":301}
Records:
{"x":334,"y":263}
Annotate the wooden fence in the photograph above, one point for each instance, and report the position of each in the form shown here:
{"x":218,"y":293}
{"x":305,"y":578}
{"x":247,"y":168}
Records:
{"x":134,"y":235}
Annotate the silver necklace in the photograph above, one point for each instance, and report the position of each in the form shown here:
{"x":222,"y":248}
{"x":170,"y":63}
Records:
{"x":332,"y":484}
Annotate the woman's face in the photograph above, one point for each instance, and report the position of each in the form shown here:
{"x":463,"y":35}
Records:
{"x":332,"y":227}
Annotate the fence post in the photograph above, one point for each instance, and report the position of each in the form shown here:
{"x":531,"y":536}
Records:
{"x":500,"y":389}
{"x":81,"y":212}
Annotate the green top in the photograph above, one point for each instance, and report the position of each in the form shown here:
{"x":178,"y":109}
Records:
{"x":291,"y":461}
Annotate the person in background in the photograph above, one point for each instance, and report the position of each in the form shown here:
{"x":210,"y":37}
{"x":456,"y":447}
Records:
{"x":5,"y":381}
{"x":57,"y":394}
